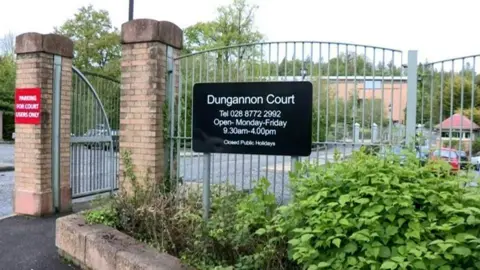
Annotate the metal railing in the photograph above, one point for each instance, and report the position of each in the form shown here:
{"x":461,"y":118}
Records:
{"x":94,"y":157}
{"x":360,"y":99}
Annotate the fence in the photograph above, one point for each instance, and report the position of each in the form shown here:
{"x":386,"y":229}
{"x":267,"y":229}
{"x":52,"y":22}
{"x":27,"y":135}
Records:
{"x":94,"y":160}
{"x":449,"y":103}
{"x":357,"y":88}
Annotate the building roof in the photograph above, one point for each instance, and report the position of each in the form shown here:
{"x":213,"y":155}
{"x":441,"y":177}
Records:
{"x":457,"y":121}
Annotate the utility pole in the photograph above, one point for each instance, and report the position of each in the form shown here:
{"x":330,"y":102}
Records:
{"x":130,"y":10}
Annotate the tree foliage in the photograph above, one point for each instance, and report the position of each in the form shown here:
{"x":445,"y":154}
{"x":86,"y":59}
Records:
{"x":233,"y":25}
{"x":97,"y":41}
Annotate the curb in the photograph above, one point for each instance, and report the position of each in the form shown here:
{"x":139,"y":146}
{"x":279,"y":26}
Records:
{"x":6,"y":168}
{"x":99,"y":247}
{"x":8,"y":216}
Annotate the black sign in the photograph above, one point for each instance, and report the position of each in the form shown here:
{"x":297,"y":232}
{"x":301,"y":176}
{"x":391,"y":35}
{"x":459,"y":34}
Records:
{"x":267,"y":118}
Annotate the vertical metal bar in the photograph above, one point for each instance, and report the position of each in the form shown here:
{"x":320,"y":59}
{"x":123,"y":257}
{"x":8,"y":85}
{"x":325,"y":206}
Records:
{"x":411,"y":96}
{"x":472,"y":106}
{"x":452,"y":81}
{"x":178,"y":99}
{"x":206,"y":186}
{"x":318,"y":100}
{"x":462,"y":93}
{"x":372,"y":103}
{"x":345,"y":103}
{"x":57,"y":84}
{"x":390,"y":105}
{"x":355,"y":96}
{"x":171,"y":113}
{"x":130,"y":9}
{"x":442,"y":82}
{"x":364,"y":89}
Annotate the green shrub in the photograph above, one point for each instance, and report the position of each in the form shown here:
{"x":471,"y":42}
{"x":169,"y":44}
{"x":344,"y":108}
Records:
{"x":369,"y":213}
{"x":8,"y":125}
{"x":105,"y":215}
{"x":476,"y":146}
{"x":172,"y":222}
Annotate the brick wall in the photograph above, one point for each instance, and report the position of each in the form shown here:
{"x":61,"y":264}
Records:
{"x":33,"y":143}
{"x":143,"y":94}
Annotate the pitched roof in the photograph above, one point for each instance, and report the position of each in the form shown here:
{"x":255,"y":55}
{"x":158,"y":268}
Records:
{"x":457,"y":121}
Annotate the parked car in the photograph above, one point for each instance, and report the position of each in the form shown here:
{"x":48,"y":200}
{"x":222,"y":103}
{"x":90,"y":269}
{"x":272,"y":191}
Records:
{"x":401,"y":152}
{"x":475,"y":161}
{"x":449,"y":155}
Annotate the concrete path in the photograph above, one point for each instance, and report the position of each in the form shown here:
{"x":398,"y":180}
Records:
{"x":28,"y":243}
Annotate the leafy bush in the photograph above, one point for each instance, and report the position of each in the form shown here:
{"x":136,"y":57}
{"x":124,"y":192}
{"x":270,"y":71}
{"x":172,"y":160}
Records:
{"x":476,"y":146}
{"x":172,"y":222}
{"x":8,"y":125}
{"x":363,"y":213}
{"x":368,"y":213}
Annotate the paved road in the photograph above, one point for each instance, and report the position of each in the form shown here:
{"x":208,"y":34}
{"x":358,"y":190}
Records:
{"x":242,"y":170}
{"x":6,"y":189}
{"x":29,"y":244}
{"x":6,"y":153}
{"x":94,"y":169}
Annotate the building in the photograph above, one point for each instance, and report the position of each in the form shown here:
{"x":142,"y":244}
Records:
{"x":455,"y":129}
{"x":394,"y":89}
{"x":391,"y":90}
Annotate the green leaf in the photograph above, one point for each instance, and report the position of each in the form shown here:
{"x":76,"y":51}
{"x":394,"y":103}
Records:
{"x":464,"y":251}
{"x":461,"y":237}
{"x":306,"y":237}
{"x":337,"y":242}
{"x":398,"y":259}
{"x":391,"y":230}
{"x":323,"y":265}
{"x":419,"y":265}
{"x":344,"y":199}
{"x":261,"y":231}
{"x":352,"y":261}
{"x":344,"y":222}
{"x":359,"y":237}
{"x":385,"y":252}
{"x":362,"y":200}
{"x":351,"y":247}
{"x":471,"y":220}
{"x":389,"y":265}
{"x":444,"y":246}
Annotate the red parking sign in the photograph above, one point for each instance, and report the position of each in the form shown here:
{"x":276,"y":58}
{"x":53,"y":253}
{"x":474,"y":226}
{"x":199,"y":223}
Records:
{"x":27,"y":106}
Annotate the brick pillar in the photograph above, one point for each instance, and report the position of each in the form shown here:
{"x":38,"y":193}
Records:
{"x":33,"y":143}
{"x":143,"y":92}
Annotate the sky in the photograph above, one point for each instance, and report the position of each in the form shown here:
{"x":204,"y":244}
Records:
{"x":437,"y":29}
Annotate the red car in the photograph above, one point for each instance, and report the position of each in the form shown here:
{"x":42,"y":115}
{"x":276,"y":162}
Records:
{"x":449,"y":155}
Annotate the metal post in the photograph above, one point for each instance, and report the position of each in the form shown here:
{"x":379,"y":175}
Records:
{"x":374,"y":133}
{"x":1,"y":126}
{"x":206,"y":185}
{"x":411,"y":97}
{"x":130,"y":10}
{"x":294,"y":162}
{"x":57,"y":79}
{"x":356,"y":133}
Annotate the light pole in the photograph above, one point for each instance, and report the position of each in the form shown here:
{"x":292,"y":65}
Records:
{"x":130,"y":10}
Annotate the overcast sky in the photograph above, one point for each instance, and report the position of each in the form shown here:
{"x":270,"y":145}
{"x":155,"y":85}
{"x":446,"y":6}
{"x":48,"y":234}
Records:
{"x":438,"y":29}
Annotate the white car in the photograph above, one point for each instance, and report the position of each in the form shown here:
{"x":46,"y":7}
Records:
{"x":475,"y":161}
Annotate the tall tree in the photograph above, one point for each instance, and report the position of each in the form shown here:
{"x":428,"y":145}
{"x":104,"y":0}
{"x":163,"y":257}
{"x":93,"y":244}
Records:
{"x":233,"y":25}
{"x":7,"y":44}
{"x":97,"y":41}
